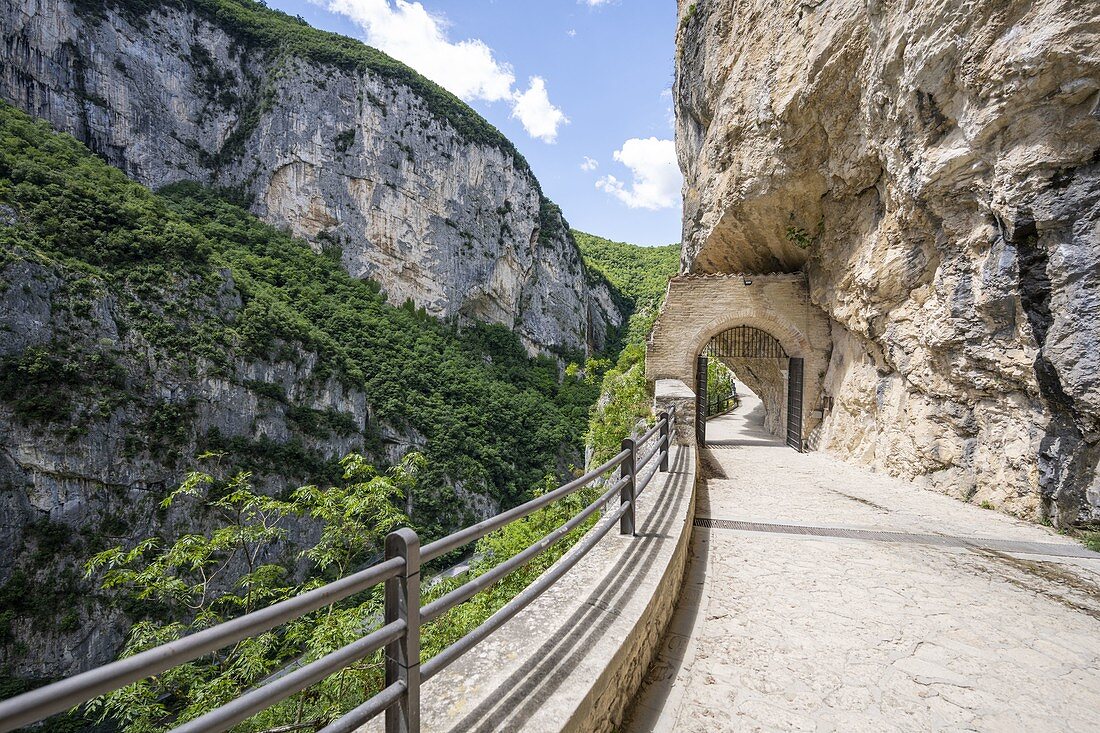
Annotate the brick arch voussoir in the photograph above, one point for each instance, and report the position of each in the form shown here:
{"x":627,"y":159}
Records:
{"x":793,"y":341}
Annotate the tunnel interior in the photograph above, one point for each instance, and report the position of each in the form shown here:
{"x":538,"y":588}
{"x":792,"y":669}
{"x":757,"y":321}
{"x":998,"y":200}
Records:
{"x":757,"y":359}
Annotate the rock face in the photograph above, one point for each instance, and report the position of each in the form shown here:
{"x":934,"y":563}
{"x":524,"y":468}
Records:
{"x":95,"y":478}
{"x":936,"y":173}
{"x":357,"y":162}
{"x":370,"y":163}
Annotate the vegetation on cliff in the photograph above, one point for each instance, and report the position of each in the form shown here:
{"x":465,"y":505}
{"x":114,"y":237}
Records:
{"x":260,"y":30}
{"x":196,"y":289}
{"x":639,"y":276}
{"x":172,"y":584}
{"x":360,"y":507}
{"x":455,"y":385}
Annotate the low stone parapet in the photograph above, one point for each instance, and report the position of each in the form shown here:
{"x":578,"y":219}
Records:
{"x":574,"y":658}
{"x":673,"y":393}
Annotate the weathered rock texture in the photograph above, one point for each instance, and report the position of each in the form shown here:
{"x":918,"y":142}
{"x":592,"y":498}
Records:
{"x":354,"y":161}
{"x":96,"y":477}
{"x":934,"y":167}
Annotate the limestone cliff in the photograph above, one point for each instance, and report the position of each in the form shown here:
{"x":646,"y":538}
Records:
{"x":139,"y":331}
{"x":325,"y":136}
{"x":934,"y":168}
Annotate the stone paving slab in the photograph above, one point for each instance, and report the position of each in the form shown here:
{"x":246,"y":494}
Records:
{"x":921,"y":538}
{"x":778,"y":631}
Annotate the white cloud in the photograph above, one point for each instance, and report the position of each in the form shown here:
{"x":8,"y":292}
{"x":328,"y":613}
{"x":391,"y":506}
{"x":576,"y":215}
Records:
{"x":589,"y":164}
{"x":594,"y":3}
{"x":656,"y":178}
{"x":409,"y":33}
{"x":539,"y":117}
{"x":572,"y":32}
{"x":670,"y":115}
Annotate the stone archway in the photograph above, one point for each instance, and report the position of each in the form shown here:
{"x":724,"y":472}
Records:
{"x":761,"y":362}
{"x":697,"y":307}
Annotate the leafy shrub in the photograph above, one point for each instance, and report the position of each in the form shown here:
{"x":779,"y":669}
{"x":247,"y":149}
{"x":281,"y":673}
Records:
{"x":174,"y":584}
{"x":799,"y":237}
{"x":639,"y":276}
{"x":239,"y":566}
{"x":40,"y":382}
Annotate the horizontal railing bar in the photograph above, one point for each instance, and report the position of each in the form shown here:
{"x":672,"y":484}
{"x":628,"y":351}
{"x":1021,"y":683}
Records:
{"x":648,"y":434}
{"x":65,"y":694}
{"x":446,"y":602}
{"x":649,"y":456}
{"x":479,"y":530}
{"x":372,"y":707}
{"x":440,"y":661}
{"x":225,"y":717}
{"x":641,"y":486}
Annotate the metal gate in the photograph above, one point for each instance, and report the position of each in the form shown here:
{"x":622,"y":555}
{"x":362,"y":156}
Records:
{"x":701,"y":400}
{"x":745,"y":342}
{"x":794,"y":404}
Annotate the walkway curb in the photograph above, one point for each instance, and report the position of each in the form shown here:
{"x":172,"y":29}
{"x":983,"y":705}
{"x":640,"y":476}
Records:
{"x":574,"y":659}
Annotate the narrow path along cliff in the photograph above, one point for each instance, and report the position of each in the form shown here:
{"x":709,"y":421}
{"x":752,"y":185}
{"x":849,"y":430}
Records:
{"x":834,"y":598}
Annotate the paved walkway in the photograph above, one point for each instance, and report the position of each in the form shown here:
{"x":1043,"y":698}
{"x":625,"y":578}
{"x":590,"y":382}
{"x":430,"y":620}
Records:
{"x":800,"y":628}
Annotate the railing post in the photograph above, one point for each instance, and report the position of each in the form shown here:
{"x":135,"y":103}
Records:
{"x":403,"y":656}
{"x":626,"y":493}
{"x":665,"y":441}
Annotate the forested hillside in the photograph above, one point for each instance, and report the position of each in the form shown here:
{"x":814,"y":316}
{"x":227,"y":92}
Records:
{"x":143,"y":329}
{"x":639,"y":276}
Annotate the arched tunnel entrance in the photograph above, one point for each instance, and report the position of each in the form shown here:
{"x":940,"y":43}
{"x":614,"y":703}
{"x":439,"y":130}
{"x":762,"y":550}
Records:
{"x":757,"y":359}
{"x":764,"y":329}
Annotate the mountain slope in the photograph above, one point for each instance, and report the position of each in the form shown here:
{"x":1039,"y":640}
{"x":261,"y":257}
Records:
{"x":344,"y":146}
{"x":142,"y":329}
{"x":639,"y":276}
{"x":640,"y":273}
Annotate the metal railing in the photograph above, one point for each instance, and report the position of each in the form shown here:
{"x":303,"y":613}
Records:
{"x":720,"y":405}
{"x":403,"y":615}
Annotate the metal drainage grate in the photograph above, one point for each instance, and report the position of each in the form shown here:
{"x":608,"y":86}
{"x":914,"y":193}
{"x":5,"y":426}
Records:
{"x":1029,"y":548}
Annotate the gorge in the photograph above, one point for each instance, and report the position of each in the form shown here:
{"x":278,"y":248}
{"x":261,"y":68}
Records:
{"x":261,"y":278}
{"x":441,"y":293}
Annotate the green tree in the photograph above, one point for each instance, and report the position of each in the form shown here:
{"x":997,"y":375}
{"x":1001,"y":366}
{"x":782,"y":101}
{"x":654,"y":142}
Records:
{"x":719,"y":378}
{"x":638,"y":277}
{"x":241,"y":565}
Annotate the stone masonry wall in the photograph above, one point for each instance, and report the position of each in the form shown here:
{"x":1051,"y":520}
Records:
{"x":699,"y":306}
{"x":674,"y":394}
{"x":574,"y":659}
{"x":605,"y":708}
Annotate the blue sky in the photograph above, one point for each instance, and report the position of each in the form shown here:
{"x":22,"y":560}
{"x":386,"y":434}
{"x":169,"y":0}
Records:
{"x":580,"y":86}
